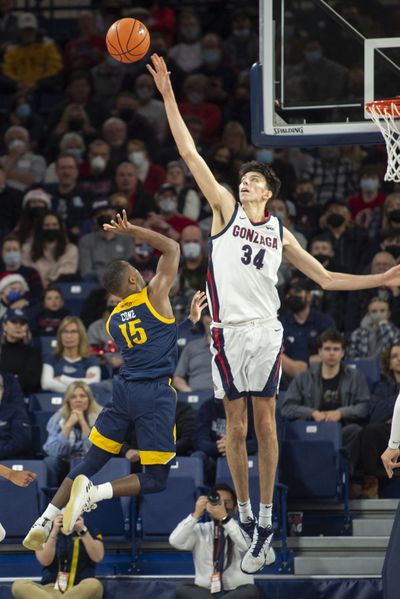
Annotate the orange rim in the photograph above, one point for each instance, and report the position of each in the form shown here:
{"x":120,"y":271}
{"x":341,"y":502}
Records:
{"x":383,"y":107}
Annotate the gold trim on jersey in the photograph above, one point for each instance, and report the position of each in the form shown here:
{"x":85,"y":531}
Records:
{"x":155,"y":313}
{"x":136,"y":299}
{"x":147,"y":458}
{"x":103,"y":442}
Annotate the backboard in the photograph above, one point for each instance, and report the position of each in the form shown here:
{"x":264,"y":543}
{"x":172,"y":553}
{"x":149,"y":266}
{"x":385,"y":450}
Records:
{"x":320,"y":62}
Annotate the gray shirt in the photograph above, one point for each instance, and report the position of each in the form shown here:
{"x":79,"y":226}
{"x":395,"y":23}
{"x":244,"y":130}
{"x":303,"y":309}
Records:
{"x":96,"y":251}
{"x":195,"y":365}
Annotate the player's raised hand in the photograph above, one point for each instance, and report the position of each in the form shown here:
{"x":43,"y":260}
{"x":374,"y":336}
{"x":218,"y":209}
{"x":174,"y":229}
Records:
{"x":392,"y":276}
{"x":119,"y":225}
{"x":160,"y":74}
{"x":389,"y":459}
{"x":21,"y":478}
{"x":199,"y":302}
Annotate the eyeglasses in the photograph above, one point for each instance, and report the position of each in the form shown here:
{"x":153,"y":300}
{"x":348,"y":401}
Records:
{"x":70,"y":332}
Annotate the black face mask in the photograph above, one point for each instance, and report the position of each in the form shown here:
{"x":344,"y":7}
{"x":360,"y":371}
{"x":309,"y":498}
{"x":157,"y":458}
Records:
{"x":102,"y":220}
{"x":394,"y":215}
{"x":321,"y":258}
{"x":335,"y":220}
{"x":295,"y":303}
{"x":51,"y":234}
{"x":35,"y":212}
{"x":126,"y":114}
{"x":75,"y":124}
{"x":305,"y":198}
{"x":394,"y":250}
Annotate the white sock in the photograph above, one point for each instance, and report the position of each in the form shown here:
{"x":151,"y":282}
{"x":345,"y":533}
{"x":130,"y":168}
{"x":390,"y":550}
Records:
{"x":51,"y":512}
{"x":245,"y":511}
{"x":104,"y":491}
{"x":265,"y":517}
{"x":2,"y":533}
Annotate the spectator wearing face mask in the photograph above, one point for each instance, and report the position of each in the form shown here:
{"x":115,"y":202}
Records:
{"x":14,"y":293}
{"x":187,"y":53}
{"x":221,"y":76}
{"x":195,"y":104}
{"x":193,"y":270}
{"x":241,"y":46}
{"x":168,"y":220}
{"x":99,"y":248}
{"x":144,"y":260}
{"x":150,"y":107}
{"x":308,"y":212}
{"x":385,"y":219}
{"x":128,"y":185}
{"x":279,"y":208}
{"x":189,"y":203}
{"x":363,"y":204}
{"x":23,"y":114}
{"x":10,"y":202}
{"x":333,"y":176}
{"x":151,"y":175}
{"x":138,"y":127}
{"x":376,"y":332}
{"x":34,"y":204}
{"x":95,"y":171}
{"x":23,"y":168}
{"x":50,"y":252}
{"x":11,"y":263}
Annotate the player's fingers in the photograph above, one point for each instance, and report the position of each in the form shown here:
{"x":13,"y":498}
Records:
{"x":395,"y":464}
{"x":124,"y":217}
{"x":151,"y":70}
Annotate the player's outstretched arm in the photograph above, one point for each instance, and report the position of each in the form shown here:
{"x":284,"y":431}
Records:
{"x":21,"y":478}
{"x":219,"y":198}
{"x":333,"y":281}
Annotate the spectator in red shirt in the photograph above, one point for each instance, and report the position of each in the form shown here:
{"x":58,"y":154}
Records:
{"x":364,"y":203}
{"x":151,"y":175}
{"x":128,"y":184}
{"x":194,"y":90}
{"x":168,"y":220}
{"x":87,"y":49}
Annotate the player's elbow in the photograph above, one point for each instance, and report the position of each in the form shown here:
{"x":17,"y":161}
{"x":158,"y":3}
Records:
{"x":326,"y":281}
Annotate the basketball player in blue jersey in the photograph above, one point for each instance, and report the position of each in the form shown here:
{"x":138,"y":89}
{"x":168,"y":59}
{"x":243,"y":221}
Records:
{"x":144,"y":330}
{"x":245,"y":251}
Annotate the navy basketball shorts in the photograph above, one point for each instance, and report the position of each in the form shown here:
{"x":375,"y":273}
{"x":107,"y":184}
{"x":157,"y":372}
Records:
{"x":151,"y":406}
{"x":246,"y":359}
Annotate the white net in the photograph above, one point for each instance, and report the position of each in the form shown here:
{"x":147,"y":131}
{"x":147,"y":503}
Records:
{"x":387,"y":117}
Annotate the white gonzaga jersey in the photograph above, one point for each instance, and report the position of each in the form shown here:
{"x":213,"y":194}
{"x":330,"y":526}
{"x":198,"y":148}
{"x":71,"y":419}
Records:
{"x":243,"y":263}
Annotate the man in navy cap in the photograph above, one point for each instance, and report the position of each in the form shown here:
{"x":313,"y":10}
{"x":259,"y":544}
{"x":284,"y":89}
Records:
{"x":100,"y":247}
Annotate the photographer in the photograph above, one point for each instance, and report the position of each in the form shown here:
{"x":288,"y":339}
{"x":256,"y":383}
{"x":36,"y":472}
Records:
{"x":217,"y":547}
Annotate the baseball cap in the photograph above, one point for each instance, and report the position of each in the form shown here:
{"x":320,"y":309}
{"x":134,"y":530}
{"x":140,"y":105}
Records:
{"x":14,"y":315}
{"x":166,"y":187}
{"x":102,"y":204}
{"x":27,"y":20}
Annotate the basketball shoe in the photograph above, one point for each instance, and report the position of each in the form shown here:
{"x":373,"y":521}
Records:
{"x":260,"y":552}
{"x":247,"y":530}
{"x":38,"y":534}
{"x":82,"y":499}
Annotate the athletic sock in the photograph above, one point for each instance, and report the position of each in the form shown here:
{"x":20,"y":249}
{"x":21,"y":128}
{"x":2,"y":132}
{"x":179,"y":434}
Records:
{"x":245,"y":511}
{"x":51,"y":512}
{"x":104,"y":491}
{"x":265,"y":517}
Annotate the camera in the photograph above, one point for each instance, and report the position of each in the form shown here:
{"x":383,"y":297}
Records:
{"x":214,"y":498}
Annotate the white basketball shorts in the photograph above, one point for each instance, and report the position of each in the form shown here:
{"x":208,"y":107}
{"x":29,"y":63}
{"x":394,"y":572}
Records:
{"x":246,"y":358}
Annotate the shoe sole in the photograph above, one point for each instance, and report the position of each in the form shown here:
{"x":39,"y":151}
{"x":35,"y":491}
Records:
{"x":35,"y":540}
{"x":269,"y":560}
{"x":73,"y":509}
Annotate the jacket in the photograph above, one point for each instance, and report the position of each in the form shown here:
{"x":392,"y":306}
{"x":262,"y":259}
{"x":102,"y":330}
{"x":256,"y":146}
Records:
{"x":383,"y":400}
{"x":15,"y":428}
{"x":305,"y":391}
{"x":59,"y":446}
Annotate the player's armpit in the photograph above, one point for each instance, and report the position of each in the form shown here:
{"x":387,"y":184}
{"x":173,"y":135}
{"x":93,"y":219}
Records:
{"x":303,"y":261}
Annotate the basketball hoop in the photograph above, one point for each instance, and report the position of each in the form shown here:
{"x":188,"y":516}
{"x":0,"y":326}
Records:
{"x":386,"y":115}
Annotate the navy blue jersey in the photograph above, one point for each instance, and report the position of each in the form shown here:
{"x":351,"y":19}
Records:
{"x":146,"y":340}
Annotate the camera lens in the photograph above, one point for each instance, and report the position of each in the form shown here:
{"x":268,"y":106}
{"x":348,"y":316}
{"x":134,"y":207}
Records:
{"x":214,"y":498}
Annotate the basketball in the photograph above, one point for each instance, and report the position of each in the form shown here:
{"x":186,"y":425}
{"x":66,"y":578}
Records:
{"x":128,"y":40}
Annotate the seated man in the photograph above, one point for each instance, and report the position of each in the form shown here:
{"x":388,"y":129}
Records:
{"x":215,"y":568}
{"x":69,"y":561}
{"x":330,"y":392}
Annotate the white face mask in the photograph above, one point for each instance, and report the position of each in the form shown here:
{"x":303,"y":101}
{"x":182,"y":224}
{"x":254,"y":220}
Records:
{"x":97,"y":163}
{"x":168,"y":205}
{"x":369,"y":184}
{"x":17,"y":144}
{"x":191,"y":250}
{"x":137,"y":158}
{"x":378,"y":316}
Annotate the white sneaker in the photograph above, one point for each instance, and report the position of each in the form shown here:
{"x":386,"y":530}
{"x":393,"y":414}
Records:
{"x":260,"y":553}
{"x":82,"y":499}
{"x":38,"y":534}
{"x":247,"y":529}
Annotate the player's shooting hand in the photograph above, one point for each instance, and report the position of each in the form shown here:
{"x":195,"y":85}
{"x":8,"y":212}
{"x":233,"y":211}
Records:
{"x":199,"y":302}
{"x":21,"y":478}
{"x":160,"y":74}
{"x":389,"y":459}
{"x":120,"y":225}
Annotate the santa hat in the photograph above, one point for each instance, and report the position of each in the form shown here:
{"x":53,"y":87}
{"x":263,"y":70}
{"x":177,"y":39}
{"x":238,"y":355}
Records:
{"x":9,"y":279}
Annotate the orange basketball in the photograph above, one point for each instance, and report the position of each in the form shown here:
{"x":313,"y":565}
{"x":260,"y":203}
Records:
{"x":127,"y":40}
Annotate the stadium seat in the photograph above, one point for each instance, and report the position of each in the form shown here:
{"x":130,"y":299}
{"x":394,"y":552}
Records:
{"x":187,"y":333}
{"x":112,"y":517}
{"x":75,"y":293}
{"x":40,"y":483}
{"x":46,"y":345}
{"x":195,"y":398}
{"x":19,"y":508}
{"x":45,"y":401}
{"x":39,"y":420}
{"x":370,"y":368}
{"x":161,"y":512}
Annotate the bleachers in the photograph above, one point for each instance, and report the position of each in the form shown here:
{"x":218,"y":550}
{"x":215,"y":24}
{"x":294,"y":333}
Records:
{"x":370,"y":368}
{"x":75,"y":293}
{"x":195,"y":398}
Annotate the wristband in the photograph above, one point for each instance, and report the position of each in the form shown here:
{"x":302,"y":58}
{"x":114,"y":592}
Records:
{"x":226,"y":519}
{"x":82,"y":532}
{"x":393,"y":444}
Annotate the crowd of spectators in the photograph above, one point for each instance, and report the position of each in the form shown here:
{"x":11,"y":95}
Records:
{"x":85,"y":136}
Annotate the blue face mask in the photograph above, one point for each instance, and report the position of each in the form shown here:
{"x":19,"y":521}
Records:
{"x":211,"y":55}
{"x":23,"y":111}
{"x":313,"y":56}
{"x":75,"y":152}
{"x":265,"y":155}
{"x":13,"y":296}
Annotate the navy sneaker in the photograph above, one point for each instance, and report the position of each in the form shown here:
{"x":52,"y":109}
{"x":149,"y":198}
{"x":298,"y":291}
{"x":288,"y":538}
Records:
{"x":260,"y":552}
{"x":247,"y":530}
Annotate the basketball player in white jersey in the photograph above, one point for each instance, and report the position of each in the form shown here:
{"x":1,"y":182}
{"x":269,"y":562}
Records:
{"x":246,"y":246}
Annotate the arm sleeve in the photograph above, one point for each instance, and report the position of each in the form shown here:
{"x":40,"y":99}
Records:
{"x":394,"y":441}
{"x":66,"y":380}
{"x":185,"y":534}
{"x":49,"y":383}
{"x":183,"y":364}
{"x":233,"y":530}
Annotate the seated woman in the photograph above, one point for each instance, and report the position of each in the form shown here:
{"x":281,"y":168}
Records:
{"x":68,"y":431}
{"x":50,"y":252}
{"x":72,"y":360}
{"x":373,"y":438}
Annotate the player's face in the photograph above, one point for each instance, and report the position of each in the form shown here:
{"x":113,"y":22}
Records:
{"x":331,"y":353}
{"x":253,"y":188}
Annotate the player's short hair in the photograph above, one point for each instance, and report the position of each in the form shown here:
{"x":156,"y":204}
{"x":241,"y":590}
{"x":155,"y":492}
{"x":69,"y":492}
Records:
{"x":333,"y":336}
{"x":273,"y":183}
{"x":114,"y":277}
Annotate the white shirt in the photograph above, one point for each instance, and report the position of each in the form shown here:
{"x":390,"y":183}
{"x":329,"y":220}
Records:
{"x":196,"y":537}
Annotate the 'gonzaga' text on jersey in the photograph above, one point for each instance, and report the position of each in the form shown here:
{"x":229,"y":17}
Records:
{"x":243,"y":263}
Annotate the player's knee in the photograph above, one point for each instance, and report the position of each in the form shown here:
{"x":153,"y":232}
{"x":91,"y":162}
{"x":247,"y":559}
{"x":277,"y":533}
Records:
{"x":93,"y":461}
{"x":154,"y":479}
{"x":237,"y":432}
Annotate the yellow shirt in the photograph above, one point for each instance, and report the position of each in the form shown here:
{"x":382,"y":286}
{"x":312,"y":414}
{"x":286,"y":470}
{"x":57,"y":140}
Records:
{"x":33,"y":62}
